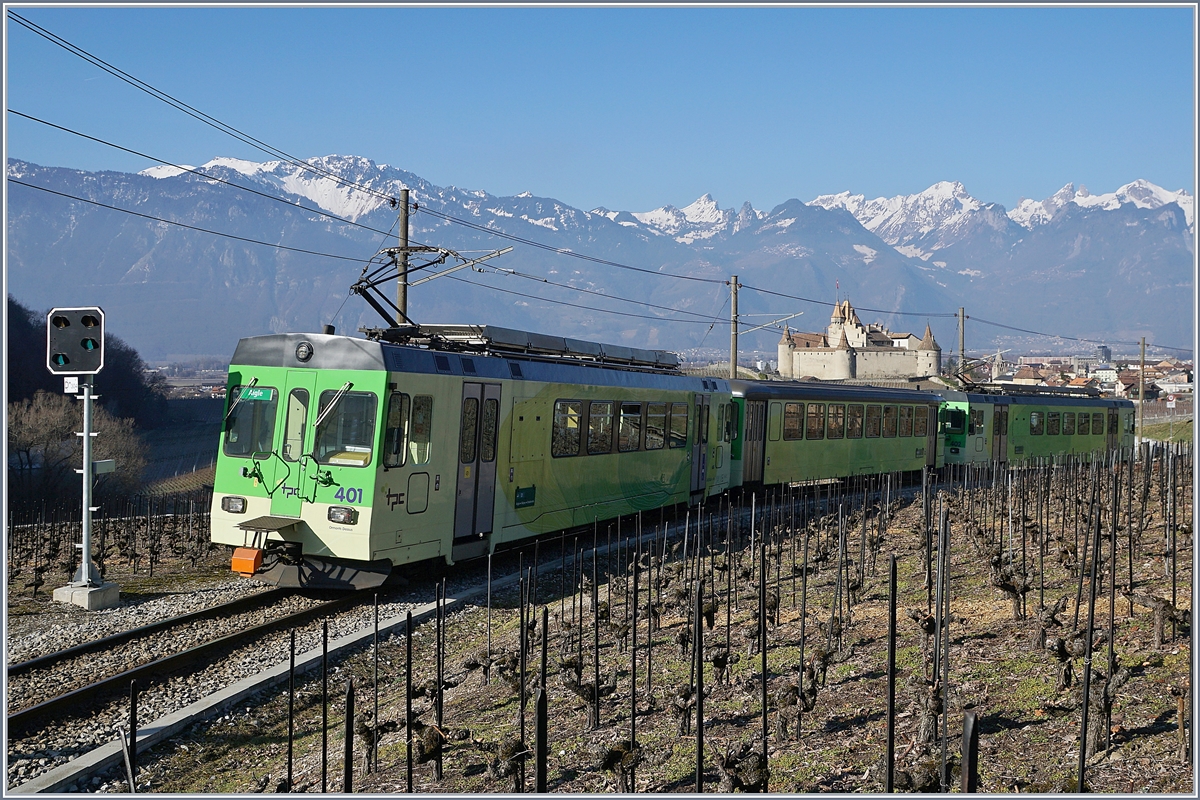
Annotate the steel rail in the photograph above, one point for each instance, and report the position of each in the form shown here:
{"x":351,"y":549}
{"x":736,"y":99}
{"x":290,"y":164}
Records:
{"x":234,"y":607}
{"x":80,"y":700}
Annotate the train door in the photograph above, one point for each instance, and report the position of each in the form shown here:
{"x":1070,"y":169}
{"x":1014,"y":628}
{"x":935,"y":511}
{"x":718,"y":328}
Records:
{"x":1000,"y":433}
{"x":931,"y":435}
{"x":752,"y":448}
{"x":700,"y":444}
{"x":475,"y":496}
{"x":293,"y":466}
{"x":1113,"y":437}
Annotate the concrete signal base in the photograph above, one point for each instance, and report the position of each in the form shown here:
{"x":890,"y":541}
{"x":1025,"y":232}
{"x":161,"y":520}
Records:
{"x":93,"y":598}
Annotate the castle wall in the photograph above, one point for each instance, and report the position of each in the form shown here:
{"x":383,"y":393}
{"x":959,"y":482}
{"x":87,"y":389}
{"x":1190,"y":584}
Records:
{"x":882,"y":364}
{"x":826,"y":365}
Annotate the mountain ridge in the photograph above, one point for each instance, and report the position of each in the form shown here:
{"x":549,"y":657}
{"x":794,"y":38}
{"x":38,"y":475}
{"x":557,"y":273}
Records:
{"x":946,"y":249}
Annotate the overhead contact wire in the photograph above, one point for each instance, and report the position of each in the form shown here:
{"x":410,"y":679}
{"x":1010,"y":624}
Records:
{"x":575,"y":305}
{"x":185,"y":225}
{"x":561,"y":250}
{"x":191,"y":111}
{"x":200,"y":174}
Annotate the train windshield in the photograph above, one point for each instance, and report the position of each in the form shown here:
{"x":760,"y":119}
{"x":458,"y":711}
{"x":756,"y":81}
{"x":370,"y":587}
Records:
{"x":250,"y":421}
{"x":345,"y":434}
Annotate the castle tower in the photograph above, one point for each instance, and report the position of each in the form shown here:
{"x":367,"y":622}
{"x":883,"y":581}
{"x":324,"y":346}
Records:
{"x":836,"y":325}
{"x":929,"y":354}
{"x":786,"y":348}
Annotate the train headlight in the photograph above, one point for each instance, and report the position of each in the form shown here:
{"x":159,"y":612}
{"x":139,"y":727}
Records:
{"x":233,"y":505}
{"x":343,"y":515}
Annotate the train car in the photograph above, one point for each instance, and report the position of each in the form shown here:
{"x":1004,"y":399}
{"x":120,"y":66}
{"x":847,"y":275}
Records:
{"x":1021,"y":424}
{"x":342,"y":457}
{"x":802,"y":431}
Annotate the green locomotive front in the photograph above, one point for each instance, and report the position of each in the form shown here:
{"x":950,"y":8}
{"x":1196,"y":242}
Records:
{"x":343,"y":457}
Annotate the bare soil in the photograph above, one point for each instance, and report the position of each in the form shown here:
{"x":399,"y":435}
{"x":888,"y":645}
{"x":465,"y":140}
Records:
{"x":1029,"y":732}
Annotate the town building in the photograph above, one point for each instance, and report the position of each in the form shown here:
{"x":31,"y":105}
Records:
{"x":848,"y":350}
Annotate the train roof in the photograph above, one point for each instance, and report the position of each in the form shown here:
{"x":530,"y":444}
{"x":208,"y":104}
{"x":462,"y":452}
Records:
{"x":335,"y":352}
{"x":830,"y":392}
{"x":1037,"y":399}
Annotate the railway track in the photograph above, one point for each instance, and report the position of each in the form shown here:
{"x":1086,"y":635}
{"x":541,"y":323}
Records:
{"x":50,"y":660}
{"x":82,"y":699}
{"x":55,"y":744}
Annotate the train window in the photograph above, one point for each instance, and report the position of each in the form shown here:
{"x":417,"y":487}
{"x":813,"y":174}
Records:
{"x":854,"y":422}
{"x":702,"y":415}
{"x":466,"y":438}
{"x":600,"y":427}
{"x":976,"y":424}
{"x":345,"y":436}
{"x":394,"y":449}
{"x":1098,"y":424}
{"x":793,"y":416}
{"x":1113,"y":425}
{"x":955,"y":420}
{"x":250,"y":423}
{"x":1129,"y":427}
{"x":906,"y":416}
{"x":656,"y":425}
{"x":420,"y":432}
{"x":487,"y":439}
{"x":731,"y":423}
{"x":1000,"y":415}
{"x":1085,"y":424}
{"x":293,"y":426}
{"x":1068,"y":423}
{"x":1053,"y":423}
{"x":815,"y":428}
{"x":1037,"y":423}
{"x":837,"y":421}
{"x":920,"y":421}
{"x":679,"y":425}
{"x":874,"y":416}
{"x":889,"y":422}
{"x":564,"y":438}
{"x":629,"y":435}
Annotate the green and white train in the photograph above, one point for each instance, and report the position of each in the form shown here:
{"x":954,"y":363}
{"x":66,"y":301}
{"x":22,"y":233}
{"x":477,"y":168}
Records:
{"x":342,"y":457}
{"x":1024,"y":424}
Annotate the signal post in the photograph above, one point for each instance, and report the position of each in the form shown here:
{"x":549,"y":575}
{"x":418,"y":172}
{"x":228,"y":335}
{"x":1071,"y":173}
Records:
{"x":75,"y":350}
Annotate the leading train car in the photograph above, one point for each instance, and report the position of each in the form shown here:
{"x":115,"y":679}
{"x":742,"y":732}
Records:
{"x":800,"y":431}
{"x":342,"y":457}
{"x":1016,"y":426}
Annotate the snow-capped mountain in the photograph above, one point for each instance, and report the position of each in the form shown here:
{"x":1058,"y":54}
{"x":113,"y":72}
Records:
{"x":701,"y":219}
{"x":1116,"y":265}
{"x":918,"y":225}
{"x":1142,"y":193}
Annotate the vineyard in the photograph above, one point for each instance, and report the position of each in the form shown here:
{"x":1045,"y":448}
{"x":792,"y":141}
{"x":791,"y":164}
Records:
{"x":638,"y":652}
{"x":132,"y":536}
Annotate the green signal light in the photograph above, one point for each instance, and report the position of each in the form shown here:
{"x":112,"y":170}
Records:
{"x":89,"y":344}
{"x":60,"y":359}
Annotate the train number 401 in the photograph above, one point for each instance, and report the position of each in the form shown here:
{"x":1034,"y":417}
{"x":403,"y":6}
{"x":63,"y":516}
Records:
{"x":349,"y":495}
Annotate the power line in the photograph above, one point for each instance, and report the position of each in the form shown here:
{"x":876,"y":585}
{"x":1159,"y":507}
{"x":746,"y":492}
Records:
{"x":705,"y":317}
{"x":1077,"y":338}
{"x":199,"y":174}
{"x":189,"y":227}
{"x":329,"y":174}
{"x":560,"y":250}
{"x":576,"y":305}
{"x":211,"y":121}
{"x":937,"y":314}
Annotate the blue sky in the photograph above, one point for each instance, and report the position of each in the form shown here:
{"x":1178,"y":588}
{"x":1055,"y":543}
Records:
{"x":635,"y":108}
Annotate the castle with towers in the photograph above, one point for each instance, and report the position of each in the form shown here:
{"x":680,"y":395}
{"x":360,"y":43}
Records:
{"x":849,"y":350}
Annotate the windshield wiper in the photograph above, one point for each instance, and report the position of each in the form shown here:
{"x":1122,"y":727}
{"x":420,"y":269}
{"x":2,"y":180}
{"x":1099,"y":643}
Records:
{"x":238,"y":400}
{"x":325,"y":411}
